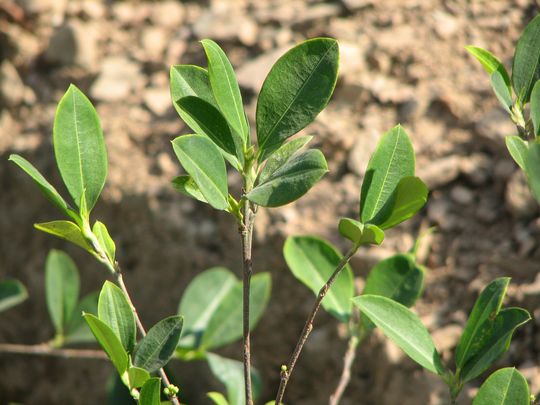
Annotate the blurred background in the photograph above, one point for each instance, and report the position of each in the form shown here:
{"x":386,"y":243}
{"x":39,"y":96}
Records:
{"x":401,"y":61}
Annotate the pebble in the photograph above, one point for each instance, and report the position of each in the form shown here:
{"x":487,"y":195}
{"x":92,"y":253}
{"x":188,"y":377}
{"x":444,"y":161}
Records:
{"x":118,"y":77}
{"x":462,"y":195}
{"x":12,"y":89}
{"x":518,"y":198}
{"x":440,"y":172}
{"x":251,"y":74}
{"x":158,"y":100}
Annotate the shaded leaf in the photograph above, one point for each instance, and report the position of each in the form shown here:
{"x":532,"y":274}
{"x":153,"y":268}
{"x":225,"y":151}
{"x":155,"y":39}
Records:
{"x":291,"y":181}
{"x":187,"y":186}
{"x":151,"y":392}
{"x":12,"y":292}
{"x":77,"y":331}
{"x":297,"y":88}
{"x":404,"y":328}
{"x":190,"y":80}
{"x":313,"y":261}
{"x":217,"y":398}
{"x":501,"y":90}
{"x":204,"y":163}
{"x":504,"y":387}
{"x":104,"y":239}
{"x":66,"y":230}
{"x":532,"y":169}
{"x":115,"y":310}
{"x":137,"y":377}
{"x":79,"y":147}
{"x":526,"y":63}
{"x":535,"y":108}
{"x":518,"y":150}
{"x":157,"y":347}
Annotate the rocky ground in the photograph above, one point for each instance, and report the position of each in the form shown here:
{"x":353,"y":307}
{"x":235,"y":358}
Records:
{"x":401,"y":61}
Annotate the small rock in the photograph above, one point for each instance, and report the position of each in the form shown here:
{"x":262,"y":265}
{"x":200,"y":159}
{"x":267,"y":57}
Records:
{"x":251,"y":75}
{"x":495,"y":125}
{"x":445,"y":24}
{"x":158,"y":100}
{"x":361,"y":152}
{"x":440,"y":172}
{"x":74,"y":43}
{"x":12,"y":89}
{"x":117,"y":78}
{"x":227,"y":26}
{"x":154,"y":41}
{"x":446,"y":338}
{"x":518,"y":198}
{"x":477,"y":168}
{"x":128,"y":14}
{"x":353,"y":5}
{"x":169,"y":14}
{"x":462,"y":195}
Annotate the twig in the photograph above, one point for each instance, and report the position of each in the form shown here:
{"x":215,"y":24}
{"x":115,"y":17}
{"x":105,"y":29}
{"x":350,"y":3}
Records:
{"x":246,"y":233}
{"x":45,"y":349}
{"x":348,"y":361}
{"x":287,"y":371}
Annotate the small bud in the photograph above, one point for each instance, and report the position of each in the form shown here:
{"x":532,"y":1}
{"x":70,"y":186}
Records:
{"x":283,"y":368}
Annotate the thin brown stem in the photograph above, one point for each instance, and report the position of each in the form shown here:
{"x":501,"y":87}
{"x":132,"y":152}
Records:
{"x":45,"y":349}
{"x":348,"y":361}
{"x":246,"y":233}
{"x":308,"y":326}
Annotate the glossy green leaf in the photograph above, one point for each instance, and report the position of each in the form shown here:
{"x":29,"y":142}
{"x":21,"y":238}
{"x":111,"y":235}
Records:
{"x":187,"y":186}
{"x":291,"y":181}
{"x":151,"y":392}
{"x":217,"y":398}
{"x":12,"y":292}
{"x":351,"y":229}
{"x":115,"y":310}
{"x":204,"y":163}
{"x":109,"y":342}
{"x":77,"y":330}
{"x":490,"y":63}
{"x":190,"y":80}
{"x":225,"y":88}
{"x":501,"y":90}
{"x":499,"y":334}
{"x":157,"y":347}
{"x":231,"y":374}
{"x":398,"y":278}
{"x":535,"y":108}
{"x":295,"y":91}
{"x":281,"y":156}
{"x":506,"y":386}
{"x":404,"y":328}
{"x":313,"y":261}
{"x":46,"y":188}
{"x":137,"y":377}
{"x":372,"y":235}
{"x":225,"y":325}
{"x":213,"y":125}
{"x":406,"y":200}
{"x":392,"y":160}
{"x":202,"y":298}
{"x":105,"y":241}
{"x":66,"y":230}
{"x":61,"y":288}
{"x":79,"y":147}
{"x":526,"y":64}
{"x":485,"y":309}
{"x":532,"y":169}
{"x":518,"y":150}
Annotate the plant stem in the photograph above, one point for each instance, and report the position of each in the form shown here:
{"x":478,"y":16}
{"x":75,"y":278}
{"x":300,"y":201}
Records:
{"x":246,"y":233}
{"x":308,"y":326}
{"x":45,"y":349}
{"x":348,"y":361}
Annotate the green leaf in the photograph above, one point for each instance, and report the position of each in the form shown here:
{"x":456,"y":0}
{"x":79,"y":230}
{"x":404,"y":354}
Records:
{"x":532,"y":169}
{"x":359,"y":233}
{"x":485,"y":309}
{"x":280,"y":157}
{"x":109,"y":342}
{"x":372,"y":235}
{"x":190,"y":80}
{"x":392,"y":160}
{"x":313,"y":261}
{"x":104,"y":239}
{"x":115,"y":310}
{"x":217,"y":398}
{"x":202,"y":298}
{"x":61,"y":288}
{"x":526,"y":64}
{"x":46,"y":188}
{"x":231,"y":374}
{"x":404,"y":328}
{"x":297,"y":88}
{"x":291,"y":181}
{"x":187,"y":186}
{"x":518,"y":150}
{"x":79,"y":147}
{"x":499,"y":335}
{"x":506,"y":386}
{"x":77,"y":330}
{"x":12,"y":292}
{"x":213,"y":125}
{"x":501,"y":91}
{"x":157,"y":347}
{"x":225,"y":88}
{"x":406,"y":200}
{"x":151,"y":392}
{"x":535,"y":108}
{"x":66,"y":230}
{"x":489,"y":62}
{"x":398,"y":278}
{"x":137,"y":377}
{"x":204,"y":163}
{"x":225,"y":325}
